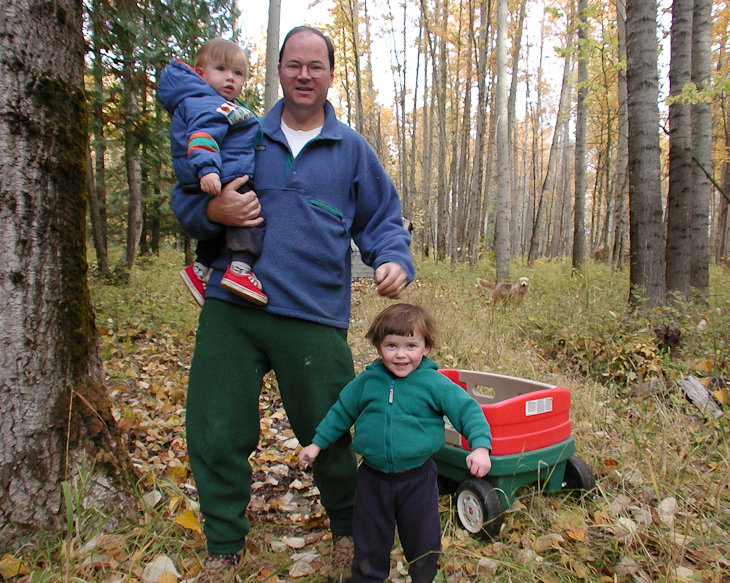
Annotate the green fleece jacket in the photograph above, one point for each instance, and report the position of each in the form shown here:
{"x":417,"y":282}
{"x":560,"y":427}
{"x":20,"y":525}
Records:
{"x":399,"y":422}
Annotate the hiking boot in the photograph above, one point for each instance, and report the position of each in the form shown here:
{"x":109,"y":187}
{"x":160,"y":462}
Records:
{"x":340,"y":567}
{"x":195,"y":277}
{"x":220,"y":569}
{"x":245,"y":284}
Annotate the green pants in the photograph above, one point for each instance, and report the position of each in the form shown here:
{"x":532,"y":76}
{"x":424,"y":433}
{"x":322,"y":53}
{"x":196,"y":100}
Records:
{"x":235,"y":347}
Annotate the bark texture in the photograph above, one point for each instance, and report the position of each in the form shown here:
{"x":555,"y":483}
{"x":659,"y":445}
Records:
{"x":54,"y":412}
{"x":680,"y":155}
{"x":646,"y":221}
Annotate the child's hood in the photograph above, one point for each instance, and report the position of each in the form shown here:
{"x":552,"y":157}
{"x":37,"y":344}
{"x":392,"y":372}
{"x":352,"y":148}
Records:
{"x":180,"y":81}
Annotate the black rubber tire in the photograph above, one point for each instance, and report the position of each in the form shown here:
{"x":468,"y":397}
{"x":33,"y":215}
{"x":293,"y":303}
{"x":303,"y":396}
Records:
{"x":578,"y":475}
{"x":479,"y":508}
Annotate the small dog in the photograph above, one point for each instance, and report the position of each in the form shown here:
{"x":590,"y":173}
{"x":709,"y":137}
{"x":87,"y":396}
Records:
{"x":504,"y":291}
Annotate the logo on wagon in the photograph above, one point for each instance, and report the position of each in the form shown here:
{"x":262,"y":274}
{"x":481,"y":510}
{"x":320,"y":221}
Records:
{"x":538,"y":406}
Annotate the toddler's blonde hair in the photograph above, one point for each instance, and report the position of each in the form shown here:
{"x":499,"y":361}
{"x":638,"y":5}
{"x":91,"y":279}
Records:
{"x":221,"y":50}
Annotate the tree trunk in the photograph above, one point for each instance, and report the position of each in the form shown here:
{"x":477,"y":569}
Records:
{"x":646,"y":224}
{"x":516,"y":218}
{"x":502,"y":223}
{"x":563,"y":106}
{"x":701,"y":147}
{"x":477,"y":177}
{"x":271,"y":84}
{"x":54,"y":411}
{"x":95,"y":220}
{"x":622,"y":151}
{"x":133,"y":164}
{"x":412,"y":155}
{"x":679,"y":199}
{"x":97,"y":195}
{"x":721,"y":243}
{"x":579,"y":210}
{"x":440,"y":87}
{"x":459,"y":177}
{"x":354,"y":22}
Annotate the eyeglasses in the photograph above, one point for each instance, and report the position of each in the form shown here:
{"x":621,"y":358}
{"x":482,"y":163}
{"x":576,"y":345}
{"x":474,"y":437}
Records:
{"x":295,"y":69}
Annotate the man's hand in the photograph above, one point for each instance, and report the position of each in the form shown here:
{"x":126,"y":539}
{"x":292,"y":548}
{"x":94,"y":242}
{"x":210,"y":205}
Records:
{"x":233,"y":208}
{"x":211,"y":183}
{"x":391,"y":280}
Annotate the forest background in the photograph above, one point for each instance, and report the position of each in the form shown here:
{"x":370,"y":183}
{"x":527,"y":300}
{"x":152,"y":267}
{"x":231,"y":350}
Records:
{"x":551,"y":181}
{"x":607,"y":195}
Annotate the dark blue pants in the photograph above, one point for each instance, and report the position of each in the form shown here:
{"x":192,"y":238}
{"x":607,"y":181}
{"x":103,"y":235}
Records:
{"x":408,"y":500}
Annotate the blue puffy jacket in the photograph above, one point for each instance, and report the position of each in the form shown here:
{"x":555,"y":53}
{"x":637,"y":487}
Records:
{"x":334,"y":189}
{"x":207,"y":133}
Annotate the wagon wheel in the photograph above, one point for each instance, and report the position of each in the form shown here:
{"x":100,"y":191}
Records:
{"x":479,"y":507}
{"x":578,"y":475}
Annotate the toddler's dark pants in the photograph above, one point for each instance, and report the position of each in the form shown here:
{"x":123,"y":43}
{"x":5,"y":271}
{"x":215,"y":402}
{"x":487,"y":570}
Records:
{"x":244,"y":243}
{"x":409,"y":500}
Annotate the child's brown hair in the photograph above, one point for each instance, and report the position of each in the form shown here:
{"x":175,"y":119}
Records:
{"x":402,"y":320}
{"x":220,"y":50}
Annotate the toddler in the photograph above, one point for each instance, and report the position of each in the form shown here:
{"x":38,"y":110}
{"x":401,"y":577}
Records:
{"x":397,"y":406}
{"x":213,"y":136}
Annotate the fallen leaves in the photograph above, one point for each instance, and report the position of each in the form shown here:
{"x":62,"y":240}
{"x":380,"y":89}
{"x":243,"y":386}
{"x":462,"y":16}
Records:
{"x":11,"y":566}
{"x":188,"y":520}
{"x":160,"y":570}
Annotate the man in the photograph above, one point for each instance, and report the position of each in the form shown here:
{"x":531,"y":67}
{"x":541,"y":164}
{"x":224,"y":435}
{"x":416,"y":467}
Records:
{"x":318,"y":183}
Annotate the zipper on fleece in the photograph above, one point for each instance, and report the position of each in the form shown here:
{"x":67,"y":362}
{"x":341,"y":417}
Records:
{"x":388,"y":433}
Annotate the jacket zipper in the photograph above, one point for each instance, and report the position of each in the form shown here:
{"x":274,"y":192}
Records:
{"x":388,"y":415}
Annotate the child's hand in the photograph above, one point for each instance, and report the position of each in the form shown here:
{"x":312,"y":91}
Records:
{"x":479,"y":462}
{"x":211,"y":183}
{"x":309,"y":454}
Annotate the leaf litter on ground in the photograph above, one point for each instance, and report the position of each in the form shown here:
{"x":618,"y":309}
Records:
{"x":661,"y":512}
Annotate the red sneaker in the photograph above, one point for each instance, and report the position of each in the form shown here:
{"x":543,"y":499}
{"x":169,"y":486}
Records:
{"x":195,"y":285}
{"x":244,"y":284}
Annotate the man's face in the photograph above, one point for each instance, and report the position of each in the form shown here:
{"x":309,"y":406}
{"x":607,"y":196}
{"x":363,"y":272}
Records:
{"x":303,"y":92}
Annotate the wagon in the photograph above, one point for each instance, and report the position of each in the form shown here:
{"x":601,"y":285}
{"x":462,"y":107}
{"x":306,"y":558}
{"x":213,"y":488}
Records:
{"x":531,"y":443}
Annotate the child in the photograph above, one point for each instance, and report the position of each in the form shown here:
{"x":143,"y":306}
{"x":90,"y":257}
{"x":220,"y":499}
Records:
{"x":213,"y":137}
{"x":397,"y":406}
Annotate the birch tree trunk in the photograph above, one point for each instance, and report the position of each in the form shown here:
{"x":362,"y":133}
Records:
{"x":679,"y":199}
{"x":54,"y":412}
{"x":271,"y":83}
{"x":563,"y":105}
{"x":440,"y":87}
{"x":579,"y":234}
{"x":477,"y":177}
{"x":646,"y":223}
{"x":459,"y":177}
{"x":622,"y":151}
{"x":516,"y":222}
{"x":502,"y":223}
{"x":721,"y":241}
{"x":701,"y":146}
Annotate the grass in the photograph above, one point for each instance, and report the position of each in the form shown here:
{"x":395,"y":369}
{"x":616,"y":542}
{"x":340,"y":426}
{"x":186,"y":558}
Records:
{"x":662,"y":508}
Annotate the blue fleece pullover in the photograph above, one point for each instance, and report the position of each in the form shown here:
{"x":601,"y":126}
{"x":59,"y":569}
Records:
{"x":333,"y":190}
{"x":207,"y":132}
{"x":399,"y":422}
